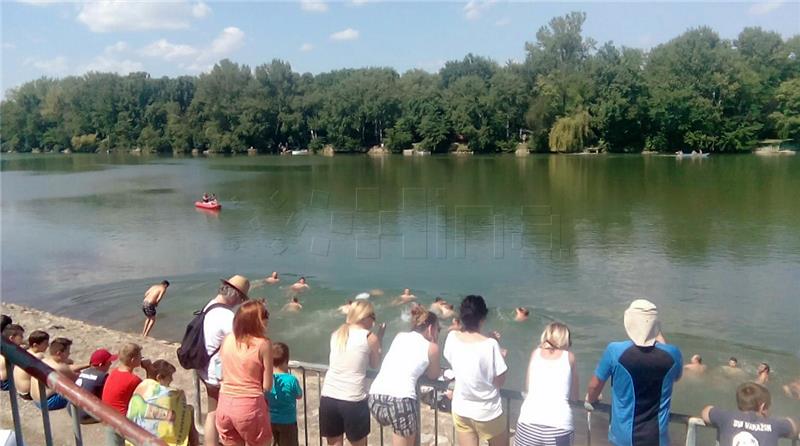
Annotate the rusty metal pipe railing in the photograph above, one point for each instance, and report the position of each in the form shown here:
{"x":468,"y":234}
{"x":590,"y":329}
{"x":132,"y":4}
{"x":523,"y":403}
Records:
{"x":12,"y":395}
{"x":77,"y":396}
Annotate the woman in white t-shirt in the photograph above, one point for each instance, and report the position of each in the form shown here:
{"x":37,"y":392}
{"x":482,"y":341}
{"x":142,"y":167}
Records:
{"x":343,"y":408}
{"x":480,"y":371}
{"x":393,"y":395}
{"x":545,"y":417}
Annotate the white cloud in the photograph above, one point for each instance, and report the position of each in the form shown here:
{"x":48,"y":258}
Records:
{"x":197,"y":58}
{"x":168,"y":51}
{"x":345,"y":34}
{"x":39,"y":2}
{"x":9,"y":46}
{"x":119,"y":47}
{"x":106,"y":64}
{"x":306,"y":47}
{"x":475,"y":8}
{"x":200,"y":10}
{"x":505,"y":21}
{"x":230,"y":40}
{"x":313,"y":5}
{"x":56,"y":66}
{"x":118,"y":15}
{"x":765,"y":7}
{"x":359,"y":2}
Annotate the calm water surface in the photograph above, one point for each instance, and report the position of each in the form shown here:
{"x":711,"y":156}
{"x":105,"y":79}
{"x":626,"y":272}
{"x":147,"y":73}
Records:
{"x":715,"y":243}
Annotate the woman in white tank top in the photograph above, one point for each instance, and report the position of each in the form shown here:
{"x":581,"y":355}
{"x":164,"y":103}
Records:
{"x":393,"y":395}
{"x":545,"y":418}
{"x":343,"y":406}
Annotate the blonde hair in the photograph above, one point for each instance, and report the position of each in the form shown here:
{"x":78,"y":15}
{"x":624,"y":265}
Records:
{"x":128,"y":352}
{"x":555,"y":336}
{"x":359,"y":310}
{"x":421,"y":318}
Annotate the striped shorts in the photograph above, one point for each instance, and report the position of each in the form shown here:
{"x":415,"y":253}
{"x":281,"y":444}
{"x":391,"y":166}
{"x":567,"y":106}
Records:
{"x":400,"y":413}
{"x":538,"y":435}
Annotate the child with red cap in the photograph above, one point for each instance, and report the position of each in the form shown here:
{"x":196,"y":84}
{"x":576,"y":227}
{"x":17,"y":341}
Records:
{"x":94,"y":378}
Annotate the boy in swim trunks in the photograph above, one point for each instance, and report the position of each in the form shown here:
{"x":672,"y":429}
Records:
{"x":58,"y":358}
{"x":152,"y":297}
{"x":38,"y":343}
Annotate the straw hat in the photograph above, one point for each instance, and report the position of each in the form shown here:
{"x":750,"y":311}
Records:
{"x":641,"y":322}
{"x":240,"y":283}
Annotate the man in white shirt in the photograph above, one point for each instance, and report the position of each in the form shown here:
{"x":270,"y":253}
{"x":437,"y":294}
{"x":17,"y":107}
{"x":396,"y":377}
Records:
{"x":217,"y":324}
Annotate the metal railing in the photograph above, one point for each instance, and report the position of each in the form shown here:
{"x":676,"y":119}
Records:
{"x":318,"y":370}
{"x":78,"y":398}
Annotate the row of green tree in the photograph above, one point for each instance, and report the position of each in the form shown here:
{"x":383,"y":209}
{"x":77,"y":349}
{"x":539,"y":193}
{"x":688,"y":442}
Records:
{"x":697,"y":91}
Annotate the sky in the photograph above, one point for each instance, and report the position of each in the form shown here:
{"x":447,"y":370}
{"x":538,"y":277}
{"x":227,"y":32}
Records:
{"x":177,"y":37}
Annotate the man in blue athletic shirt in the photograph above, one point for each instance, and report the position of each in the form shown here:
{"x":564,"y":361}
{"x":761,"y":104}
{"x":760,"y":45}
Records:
{"x":642,"y":371}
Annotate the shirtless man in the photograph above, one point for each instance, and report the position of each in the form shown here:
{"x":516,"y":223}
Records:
{"x":11,"y":333}
{"x":405,"y":298}
{"x":695,"y":366}
{"x":293,"y":306}
{"x":792,"y":390}
{"x":152,"y":297}
{"x":763,"y":374}
{"x":273,"y":278}
{"x":300,"y":285}
{"x":521,"y":314}
{"x":436,"y":306}
{"x":38,"y":341}
{"x":58,"y":359}
{"x":733,"y":369}
{"x":344,"y":309}
{"x":447,"y":311}
{"x":455,"y":325}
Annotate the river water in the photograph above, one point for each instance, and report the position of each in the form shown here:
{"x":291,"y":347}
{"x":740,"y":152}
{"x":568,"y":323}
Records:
{"x":715,"y":243}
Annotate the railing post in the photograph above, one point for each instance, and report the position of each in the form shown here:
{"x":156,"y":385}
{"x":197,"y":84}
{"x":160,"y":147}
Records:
{"x":691,"y":430}
{"x":435,"y":418}
{"x":305,"y":405}
{"x":199,"y":423}
{"x":76,"y":424}
{"x":319,"y":394}
{"x":418,"y":438}
{"x":12,"y":396}
{"x":588,"y":408}
{"x":48,"y":435}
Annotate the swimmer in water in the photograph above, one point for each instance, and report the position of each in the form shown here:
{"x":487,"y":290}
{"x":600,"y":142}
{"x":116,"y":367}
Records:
{"x":293,"y":306}
{"x":763,"y":374}
{"x":448,"y":311}
{"x":436,"y":306}
{"x":405,"y":298}
{"x":273,"y":278}
{"x":792,"y":390}
{"x":695,"y":366}
{"x":300,"y":285}
{"x":733,"y":369}
{"x":521,"y":314}
{"x":344,"y":309}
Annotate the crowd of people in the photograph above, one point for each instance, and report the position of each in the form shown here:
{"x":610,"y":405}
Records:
{"x":252,"y":394}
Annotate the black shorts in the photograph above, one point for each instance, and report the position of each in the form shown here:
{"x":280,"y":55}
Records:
{"x":149,"y":309}
{"x":337,"y":417}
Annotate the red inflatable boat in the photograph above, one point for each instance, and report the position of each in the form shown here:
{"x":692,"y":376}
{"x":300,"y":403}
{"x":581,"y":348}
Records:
{"x":211,"y":205}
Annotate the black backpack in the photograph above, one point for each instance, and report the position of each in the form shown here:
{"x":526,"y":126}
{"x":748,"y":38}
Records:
{"x":192,"y":353}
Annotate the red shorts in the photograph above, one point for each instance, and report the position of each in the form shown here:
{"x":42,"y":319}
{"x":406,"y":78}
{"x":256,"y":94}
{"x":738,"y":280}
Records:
{"x":243,"y":420}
